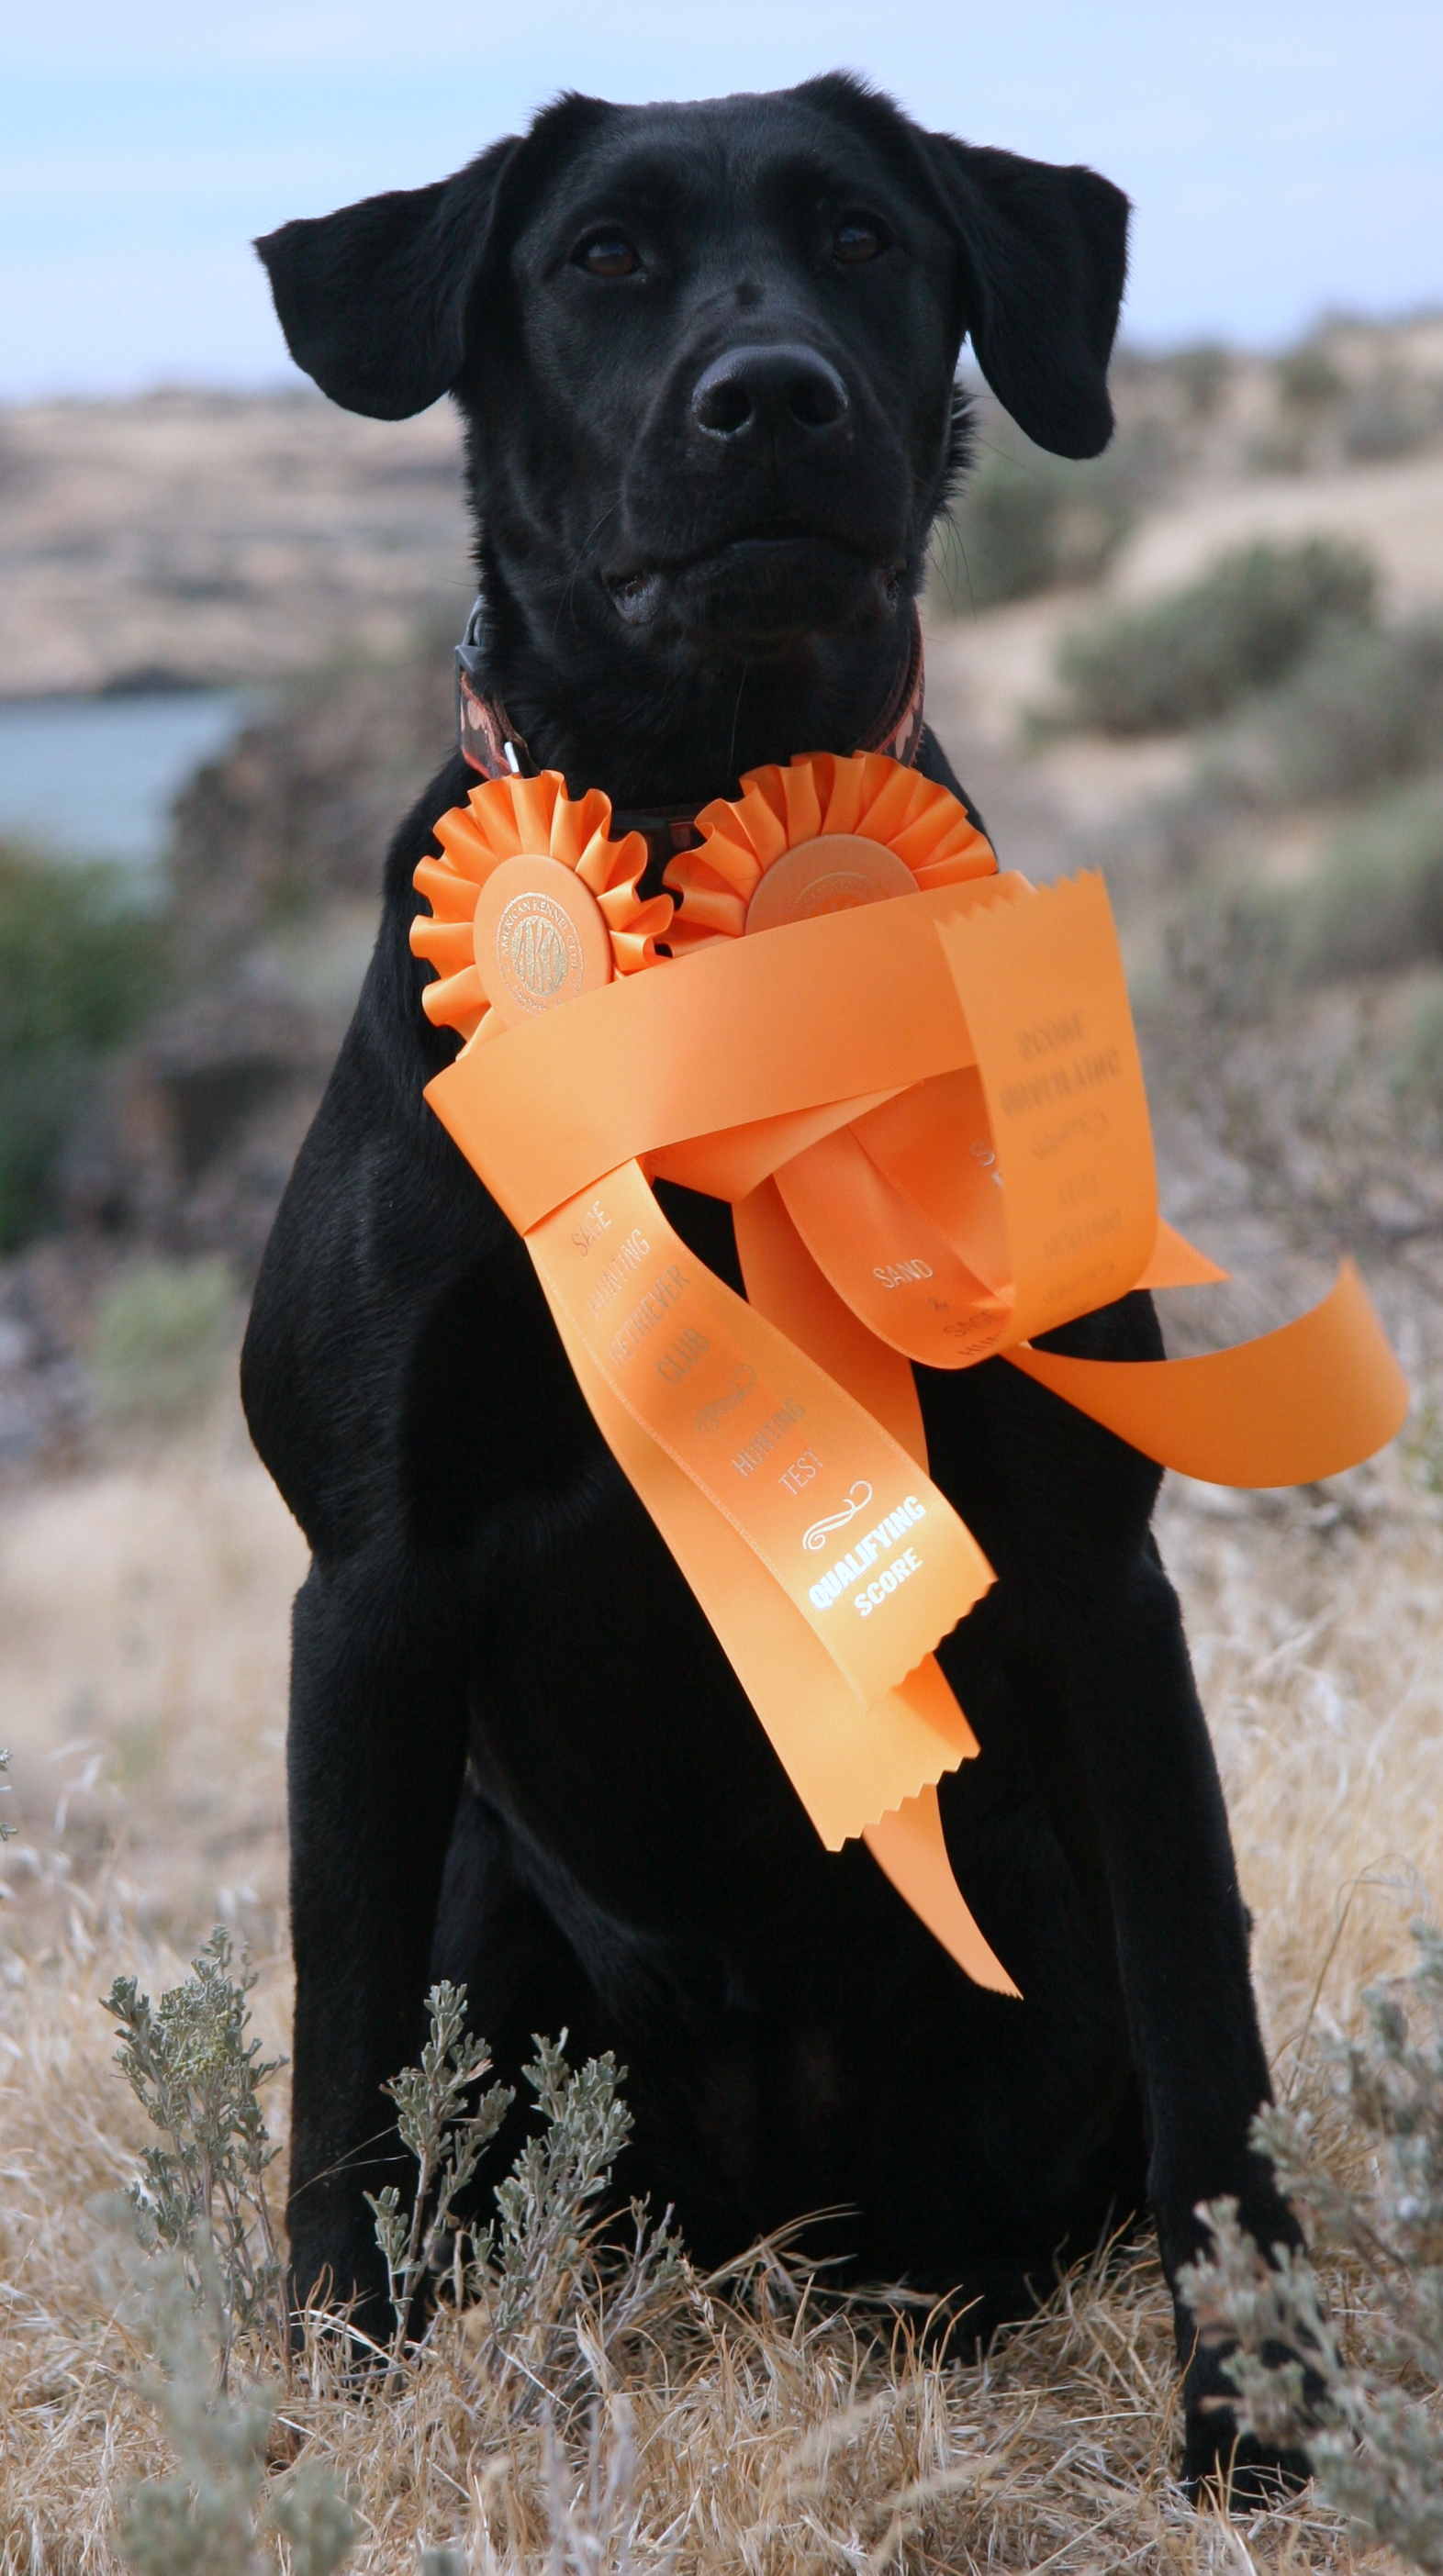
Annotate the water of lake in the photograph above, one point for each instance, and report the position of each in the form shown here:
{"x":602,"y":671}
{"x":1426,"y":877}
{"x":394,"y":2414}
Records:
{"x":96,"y":777}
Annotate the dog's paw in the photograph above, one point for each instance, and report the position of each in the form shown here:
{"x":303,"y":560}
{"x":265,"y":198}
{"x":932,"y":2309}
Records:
{"x":355,"y":2338}
{"x":358,"y":2323}
{"x":1223,"y":2464}
{"x":1233,"y":2469}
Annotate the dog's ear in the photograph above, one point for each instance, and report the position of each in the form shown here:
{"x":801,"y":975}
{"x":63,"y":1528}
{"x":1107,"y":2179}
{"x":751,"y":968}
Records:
{"x":375,"y":300}
{"x":1044,"y":254}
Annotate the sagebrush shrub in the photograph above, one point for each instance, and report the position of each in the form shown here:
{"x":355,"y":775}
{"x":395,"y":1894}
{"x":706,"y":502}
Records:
{"x":545,"y":2300}
{"x":1418,"y":1070}
{"x":448,"y":2140}
{"x":159,"y":1335}
{"x":1362,"y":710}
{"x":215,"y":2515}
{"x":1391,"y":415}
{"x":1308,"y":381}
{"x":196,"y":2249}
{"x":1370,"y":2420}
{"x":1376,"y":903}
{"x":1203,"y":369}
{"x":1027,"y":522}
{"x":1189,"y":658}
{"x":80,"y":962}
{"x":544,"y":2294}
{"x":544,"y":2273}
{"x":198,"y":2077}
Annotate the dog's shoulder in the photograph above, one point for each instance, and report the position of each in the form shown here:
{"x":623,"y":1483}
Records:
{"x":933,"y":763}
{"x":380,"y":1214}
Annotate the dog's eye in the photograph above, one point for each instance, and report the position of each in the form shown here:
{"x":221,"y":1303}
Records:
{"x":608,"y":255}
{"x":858,"y":237}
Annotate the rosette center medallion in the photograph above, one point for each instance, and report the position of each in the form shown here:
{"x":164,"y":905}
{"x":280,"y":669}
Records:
{"x":833,"y":873}
{"x":541,"y":937}
{"x":531,"y":904}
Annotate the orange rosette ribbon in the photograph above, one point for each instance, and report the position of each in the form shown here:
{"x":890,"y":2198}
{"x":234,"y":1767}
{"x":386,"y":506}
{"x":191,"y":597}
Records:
{"x":921,"y":1093}
{"x":531,"y":904}
{"x":826,"y":835}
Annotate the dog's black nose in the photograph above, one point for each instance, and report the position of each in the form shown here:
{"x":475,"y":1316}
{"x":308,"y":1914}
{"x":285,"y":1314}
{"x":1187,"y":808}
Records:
{"x":755,"y":390}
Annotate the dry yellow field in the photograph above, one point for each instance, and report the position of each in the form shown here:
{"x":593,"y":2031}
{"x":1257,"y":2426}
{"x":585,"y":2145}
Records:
{"x":143,"y":1611}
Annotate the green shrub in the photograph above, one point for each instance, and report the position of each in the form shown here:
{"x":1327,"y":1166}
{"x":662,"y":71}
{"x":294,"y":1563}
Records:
{"x":1374,"y":906}
{"x":1308,"y":381}
{"x":1377,"y":901}
{"x":1230,"y":950}
{"x":1001,"y":540}
{"x":1390,"y":416}
{"x":1418,"y":1074}
{"x":197,"y":2077}
{"x":199,"y":2270}
{"x":1368,"y":2416}
{"x":1028,"y":522}
{"x":1190,"y":658}
{"x":43,"y":1098}
{"x":79,"y":965}
{"x":159,"y":1337}
{"x":544,"y":2262}
{"x":1281,"y":448}
{"x":1363,"y":709}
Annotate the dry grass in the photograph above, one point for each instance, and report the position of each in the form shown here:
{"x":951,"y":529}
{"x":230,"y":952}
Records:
{"x":1316,"y":1622}
{"x":142,"y":1613}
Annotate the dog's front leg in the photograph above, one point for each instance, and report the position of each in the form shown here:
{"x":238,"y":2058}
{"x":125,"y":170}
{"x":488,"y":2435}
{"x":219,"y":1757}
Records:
{"x":375,"y":1757}
{"x":1182,"y":1950}
{"x":1087,"y":1631}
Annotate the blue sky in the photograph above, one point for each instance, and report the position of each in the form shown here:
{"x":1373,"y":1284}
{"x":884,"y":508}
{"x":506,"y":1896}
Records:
{"x":1284,"y":155}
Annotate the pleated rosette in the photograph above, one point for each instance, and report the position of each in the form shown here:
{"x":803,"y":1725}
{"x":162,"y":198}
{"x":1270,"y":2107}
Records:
{"x":531,"y":902}
{"x":823,"y":835}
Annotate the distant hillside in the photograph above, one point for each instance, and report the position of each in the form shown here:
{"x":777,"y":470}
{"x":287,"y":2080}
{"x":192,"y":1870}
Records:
{"x":219,"y":537}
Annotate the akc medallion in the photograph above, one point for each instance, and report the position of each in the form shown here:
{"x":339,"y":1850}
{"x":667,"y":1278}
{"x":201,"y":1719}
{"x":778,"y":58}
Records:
{"x":540,"y":937}
{"x":822,"y":836}
{"x":833,"y":873}
{"x":531,"y":904}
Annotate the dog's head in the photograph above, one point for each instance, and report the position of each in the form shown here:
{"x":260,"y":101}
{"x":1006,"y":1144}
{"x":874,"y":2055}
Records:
{"x":707,"y":353}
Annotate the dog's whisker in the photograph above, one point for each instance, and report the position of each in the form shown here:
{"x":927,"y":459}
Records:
{"x":736,"y":718}
{"x":567,"y":598}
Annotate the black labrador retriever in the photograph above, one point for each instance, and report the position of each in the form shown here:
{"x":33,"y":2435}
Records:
{"x":705,"y":356}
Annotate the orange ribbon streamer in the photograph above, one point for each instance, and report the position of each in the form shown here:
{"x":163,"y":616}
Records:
{"x":929,"y":1117}
{"x":781,"y":1453}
